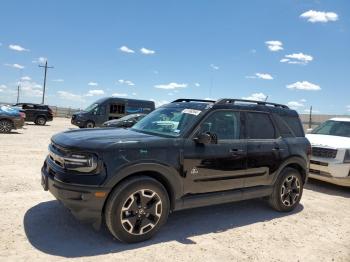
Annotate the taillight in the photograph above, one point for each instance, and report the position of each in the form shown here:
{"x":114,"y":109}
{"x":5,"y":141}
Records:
{"x":50,"y":110}
{"x":22,"y":115}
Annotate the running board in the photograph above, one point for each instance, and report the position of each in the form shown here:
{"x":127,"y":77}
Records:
{"x":207,"y":199}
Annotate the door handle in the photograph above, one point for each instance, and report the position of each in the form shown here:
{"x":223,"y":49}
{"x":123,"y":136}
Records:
{"x":236,"y":151}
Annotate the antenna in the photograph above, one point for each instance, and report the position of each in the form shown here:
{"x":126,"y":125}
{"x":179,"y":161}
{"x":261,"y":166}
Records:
{"x":266,"y":98}
{"x":46,"y":67}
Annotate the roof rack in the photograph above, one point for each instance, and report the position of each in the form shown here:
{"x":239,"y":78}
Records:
{"x":192,"y":100}
{"x":232,"y":101}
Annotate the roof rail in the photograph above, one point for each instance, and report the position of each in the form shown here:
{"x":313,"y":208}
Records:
{"x":232,"y":101}
{"x":192,"y":100}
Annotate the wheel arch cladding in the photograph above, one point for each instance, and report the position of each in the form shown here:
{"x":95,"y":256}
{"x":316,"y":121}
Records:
{"x":296,"y":163}
{"x":170,"y":187}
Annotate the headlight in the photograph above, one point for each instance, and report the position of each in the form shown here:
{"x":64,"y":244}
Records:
{"x":81,"y":162}
{"x":347,"y":156}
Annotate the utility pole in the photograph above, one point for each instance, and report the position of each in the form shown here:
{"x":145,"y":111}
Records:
{"x":310,"y":117}
{"x":46,"y":67}
{"x":18,"y":93}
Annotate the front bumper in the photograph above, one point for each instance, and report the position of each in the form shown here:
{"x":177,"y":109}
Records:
{"x":85,"y":202}
{"x":330,"y":171}
{"x":78,"y":122}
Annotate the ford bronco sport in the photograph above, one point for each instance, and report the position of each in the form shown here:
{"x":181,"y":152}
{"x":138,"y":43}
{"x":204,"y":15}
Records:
{"x":185,"y":154}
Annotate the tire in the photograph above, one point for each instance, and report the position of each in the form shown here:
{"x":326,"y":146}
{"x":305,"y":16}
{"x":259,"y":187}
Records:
{"x":125,"y":217}
{"x":287,"y":190}
{"x":89,"y":124}
{"x":40,"y":120}
{"x":5,"y":126}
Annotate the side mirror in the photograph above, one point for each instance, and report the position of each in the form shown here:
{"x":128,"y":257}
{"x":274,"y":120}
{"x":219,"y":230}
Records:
{"x":203,"y":138}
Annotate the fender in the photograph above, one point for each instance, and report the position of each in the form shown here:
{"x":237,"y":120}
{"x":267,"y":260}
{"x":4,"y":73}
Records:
{"x":167,"y":174}
{"x":292,"y":160}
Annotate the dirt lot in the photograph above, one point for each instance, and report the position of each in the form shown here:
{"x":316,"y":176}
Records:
{"x":33,"y":226}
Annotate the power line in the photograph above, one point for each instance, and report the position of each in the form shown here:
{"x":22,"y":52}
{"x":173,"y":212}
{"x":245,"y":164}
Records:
{"x":46,"y":67}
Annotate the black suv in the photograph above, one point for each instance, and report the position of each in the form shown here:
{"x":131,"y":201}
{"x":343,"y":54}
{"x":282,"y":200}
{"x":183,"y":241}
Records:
{"x":185,"y":154}
{"x":37,"y":113}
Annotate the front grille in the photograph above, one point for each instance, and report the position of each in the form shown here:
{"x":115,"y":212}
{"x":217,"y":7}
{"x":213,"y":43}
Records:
{"x":324,"y":152}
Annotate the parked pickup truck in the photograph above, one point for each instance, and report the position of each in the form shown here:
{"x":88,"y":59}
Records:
{"x":330,"y":159}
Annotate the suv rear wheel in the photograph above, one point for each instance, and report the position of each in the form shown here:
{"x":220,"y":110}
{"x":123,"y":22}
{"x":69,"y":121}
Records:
{"x":5,"y":126}
{"x":287,"y":191}
{"x":40,"y":120}
{"x":137,"y":209}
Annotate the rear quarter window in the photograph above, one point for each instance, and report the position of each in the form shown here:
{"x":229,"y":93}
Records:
{"x":294,"y":124}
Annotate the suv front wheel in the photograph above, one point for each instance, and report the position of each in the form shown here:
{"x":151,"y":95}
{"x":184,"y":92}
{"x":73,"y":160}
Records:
{"x":137,"y":209}
{"x":287,"y":191}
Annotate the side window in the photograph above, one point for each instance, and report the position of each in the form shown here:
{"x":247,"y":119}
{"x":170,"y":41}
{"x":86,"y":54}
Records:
{"x":259,"y":126}
{"x":224,"y":124}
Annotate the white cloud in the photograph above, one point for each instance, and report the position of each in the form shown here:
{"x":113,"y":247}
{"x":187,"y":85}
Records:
{"x":120,"y":94}
{"x":295,"y":104}
{"x":70,"y":96}
{"x":58,"y":80}
{"x":256,"y":96}
{"x":2,"y":88}
{"x":126,"y":49}
{"x":197,"y":84}
{"x":159,"y":103}
{"x":274,"y":45}
{"x":171,"y":86}
{"x":134,"y":94}
{"x":146,"y":51}
{"x":30,"y":88}
{"x":95,"y":92}
{"x":40,"y":60}
{"x":348,"y":107}
{"x":297,"y":58}
{"x":93,"y":84}
{"x":304,"y":85}
{"x":17,"y":66}
{"x":303,"y":100}
{"x":18,"y":48}
{"x":25,"y":78}
{"x":264,"y":76}
{"x":126,"y":82}
{"x":319,"y":17}
{"x":214,"y":67}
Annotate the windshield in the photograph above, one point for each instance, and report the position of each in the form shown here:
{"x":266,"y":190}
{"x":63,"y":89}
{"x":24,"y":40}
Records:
{"x":333,"y":128}
{"x":167,"y":121}
{"x":91,"y":107}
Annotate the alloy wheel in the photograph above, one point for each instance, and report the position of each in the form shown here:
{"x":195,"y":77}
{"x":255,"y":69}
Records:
{"x":141,"y":212}
{"x":5,"y":126}
{"x":290,"y":190}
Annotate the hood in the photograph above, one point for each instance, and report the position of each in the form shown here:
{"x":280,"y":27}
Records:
{"x":329,"y":141}
{"x":99,"y":138}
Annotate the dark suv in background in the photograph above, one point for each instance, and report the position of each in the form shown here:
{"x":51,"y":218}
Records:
{"x":37,"y":113}
{"x":185,"y":154}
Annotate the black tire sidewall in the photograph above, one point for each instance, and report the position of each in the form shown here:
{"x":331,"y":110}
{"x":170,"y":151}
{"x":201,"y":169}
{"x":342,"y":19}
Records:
{"x":38,"y":119}
{"x":89,"y":122}
{"x":277,"y":190}
{"x":118,"y":199}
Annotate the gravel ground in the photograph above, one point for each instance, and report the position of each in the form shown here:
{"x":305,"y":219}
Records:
{"x":34,"y":226}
